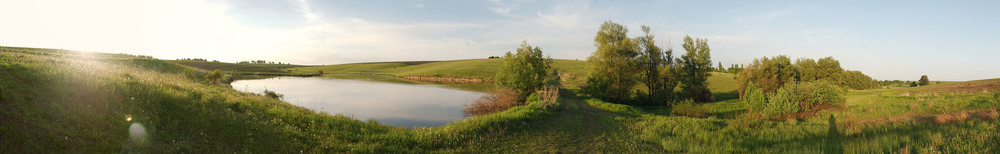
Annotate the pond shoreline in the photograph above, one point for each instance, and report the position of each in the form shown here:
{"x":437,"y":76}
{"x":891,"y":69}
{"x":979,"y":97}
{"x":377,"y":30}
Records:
{"x":446,"y":79}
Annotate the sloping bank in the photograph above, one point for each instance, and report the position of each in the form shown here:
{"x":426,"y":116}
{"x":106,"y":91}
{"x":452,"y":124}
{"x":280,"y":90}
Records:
{"x":446,"y":79}
{"x":58,"y":101}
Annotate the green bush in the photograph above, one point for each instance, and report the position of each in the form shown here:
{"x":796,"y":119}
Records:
{"x":782,"y":102}
{"x":805,"y":96}
{"x":755,"y":99}
{"x":273,"y":94}
{"x":524,"y":71}
{"x":597,"y":87}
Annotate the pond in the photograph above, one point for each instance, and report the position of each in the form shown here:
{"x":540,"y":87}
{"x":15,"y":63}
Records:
{"x":387,"y":100}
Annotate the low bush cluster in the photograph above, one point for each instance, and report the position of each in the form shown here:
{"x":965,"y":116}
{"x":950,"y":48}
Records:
{"x":795,"y":97}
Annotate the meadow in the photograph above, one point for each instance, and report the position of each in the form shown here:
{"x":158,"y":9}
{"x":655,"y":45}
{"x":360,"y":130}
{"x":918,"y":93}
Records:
{"x":57,"y":101}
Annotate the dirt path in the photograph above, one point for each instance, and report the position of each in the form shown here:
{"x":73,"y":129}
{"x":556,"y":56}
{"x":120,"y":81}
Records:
{"x":578,"y":127}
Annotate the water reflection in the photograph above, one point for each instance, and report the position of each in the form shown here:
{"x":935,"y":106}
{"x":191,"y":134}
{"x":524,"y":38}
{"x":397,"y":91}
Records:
{"x":386,"y":100}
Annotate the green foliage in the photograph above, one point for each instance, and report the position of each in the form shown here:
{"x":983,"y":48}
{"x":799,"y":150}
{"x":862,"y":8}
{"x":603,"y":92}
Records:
{"x":766,"y":74}
{"x":658,"y":70}
{"x":784,"y":101}
{"x":828,"y":68}
{"x":694,"y":68}
{"x":807,"y":96}
{"x":770,"y":74}
{"x":856,"y":80}
{"x":524,"y":71}
{"x":924,"y":81}
{"x":273,"y":94}
{"x":615,"y":62}
{"x":213,"y":77}
{"x":597,"y":87}
{"x":806,"y":70}
{"x":688,"y":108}
{"x":755,"y":99}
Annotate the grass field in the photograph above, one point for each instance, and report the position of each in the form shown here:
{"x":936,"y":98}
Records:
{"x":55,"y":101}
{"x":209,"y":66}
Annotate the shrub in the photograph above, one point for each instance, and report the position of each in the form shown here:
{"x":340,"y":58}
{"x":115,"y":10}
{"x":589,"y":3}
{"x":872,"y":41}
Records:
{"x":214,"y":76}
{"x":924,"y":81}
{"x":273,"y":94}
{"x":805,"y":96}
{"x":500,"y":100}
{"x":597,"y":87}
{"x":755,"y":99}
{"x":782,"y":102}
{"x":524,"y":71}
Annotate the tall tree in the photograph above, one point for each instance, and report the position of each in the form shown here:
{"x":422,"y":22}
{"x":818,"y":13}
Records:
{"x":615,"y":62}
{"x":720,"y":68}
{"x":694,"y":69}
{"x":829,"y":68}
{"x":656,"y":66}
{"x":807,"y":69}
{"x":924,"y":81}
{"x":523,"y":71}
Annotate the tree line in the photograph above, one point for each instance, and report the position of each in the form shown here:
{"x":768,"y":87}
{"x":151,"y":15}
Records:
{"x":636,"y":71}
{"x":261,"y":62}
{"x":621,"y":63}
{"x":769,"y":74}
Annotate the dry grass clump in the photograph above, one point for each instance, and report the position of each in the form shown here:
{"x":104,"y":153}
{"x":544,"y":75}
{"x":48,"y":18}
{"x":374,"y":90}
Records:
{"x":965,"y":115}
{"x":500,"y":100}
{"x":549,"y":95}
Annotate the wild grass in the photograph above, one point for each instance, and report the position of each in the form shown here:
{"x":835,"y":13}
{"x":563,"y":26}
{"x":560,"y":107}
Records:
{"x":497,"y":101}
{"x":56,"y":101}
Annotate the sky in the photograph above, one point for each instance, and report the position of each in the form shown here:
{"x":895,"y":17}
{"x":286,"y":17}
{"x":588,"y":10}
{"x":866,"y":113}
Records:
{"x":888,"y":40}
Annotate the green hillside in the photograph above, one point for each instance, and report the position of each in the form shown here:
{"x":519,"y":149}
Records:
{"x":56,"y":101}
{"x":209,"y":66}
{"x":573,"y":72}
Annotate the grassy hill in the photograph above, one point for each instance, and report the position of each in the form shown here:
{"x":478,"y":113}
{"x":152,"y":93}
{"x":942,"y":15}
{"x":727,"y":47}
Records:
{"x":573,"y":72}
{"x":470,"y":68}
{"x":66,"y":101}
{"x":55,"y":101}
{"x":209,"y":66}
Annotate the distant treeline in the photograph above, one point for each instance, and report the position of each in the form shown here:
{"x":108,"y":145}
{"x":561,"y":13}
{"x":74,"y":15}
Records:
{"x":240,"y":62}
{"x":261,"y":62}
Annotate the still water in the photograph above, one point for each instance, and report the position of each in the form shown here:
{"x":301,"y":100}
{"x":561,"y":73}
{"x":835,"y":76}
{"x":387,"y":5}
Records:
{"x":388,"y":100}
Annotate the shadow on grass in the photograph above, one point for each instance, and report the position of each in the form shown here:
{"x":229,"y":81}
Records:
{"x":725,"y":96}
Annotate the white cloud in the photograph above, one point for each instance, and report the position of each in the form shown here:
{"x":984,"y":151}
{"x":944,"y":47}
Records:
{"x":500,"y":10}
{"x":161,"y":28}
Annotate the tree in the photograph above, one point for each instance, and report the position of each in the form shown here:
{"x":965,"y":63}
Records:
{"x":614,"y":63}
{"x":806,"y":69}
{"x":829,"y":68}
{"x":924,"y":81}
{"x":214,"y":76}
{"x":694,"y":69}
{"x":523,"y":71}
{"x":766,"y":74}
{"x":720,"y":68}
{"x":657,"y":68}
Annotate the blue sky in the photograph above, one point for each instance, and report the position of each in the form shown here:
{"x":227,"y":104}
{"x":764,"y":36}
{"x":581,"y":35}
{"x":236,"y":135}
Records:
{"x":946,"y":40}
